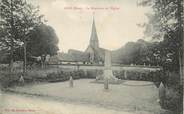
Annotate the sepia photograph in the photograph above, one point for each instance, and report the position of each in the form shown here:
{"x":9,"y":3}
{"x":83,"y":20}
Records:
{"x":91,"y":56}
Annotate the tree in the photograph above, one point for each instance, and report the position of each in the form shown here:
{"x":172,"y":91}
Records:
{"x":43,"y":42}
{"x":139,"y":52}
{"x":166,"y":23}
{"x":18,"y":19}
{"x":8,"y":22}
{"x":29,"y":21}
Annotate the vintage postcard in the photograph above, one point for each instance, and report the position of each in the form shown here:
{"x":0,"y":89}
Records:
{"x":91,"y":56}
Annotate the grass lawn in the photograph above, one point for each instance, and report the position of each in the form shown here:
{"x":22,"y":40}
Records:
{"x":129,"y":96}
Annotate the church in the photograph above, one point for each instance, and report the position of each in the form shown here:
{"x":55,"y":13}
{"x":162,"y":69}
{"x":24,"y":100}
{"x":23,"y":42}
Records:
{"x":96,"y":54}
{"x":92,"y":55}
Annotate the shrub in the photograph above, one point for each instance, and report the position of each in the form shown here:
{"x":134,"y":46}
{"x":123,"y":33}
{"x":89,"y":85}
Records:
{"x":82,"y":74}
{"x":156,"y":76}
{"x":91,"y":74}
{"x":57,"y":76}
{"x":8,"y":79}
{"x":174,"y":92}
{"x":173,"y":100}
{"x":64,"y":75}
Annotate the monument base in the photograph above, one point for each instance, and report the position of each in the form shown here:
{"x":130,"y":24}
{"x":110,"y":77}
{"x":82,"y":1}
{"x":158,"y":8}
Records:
{"x":108,"y":75}
{"x":110,"y":82}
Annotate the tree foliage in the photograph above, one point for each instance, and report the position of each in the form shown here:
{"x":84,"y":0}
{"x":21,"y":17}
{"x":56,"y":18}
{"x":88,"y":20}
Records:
{"x":18,"y":19}
{"x":166,"y":24}
{"x":43,"y":41}
{"x":139,"y":53}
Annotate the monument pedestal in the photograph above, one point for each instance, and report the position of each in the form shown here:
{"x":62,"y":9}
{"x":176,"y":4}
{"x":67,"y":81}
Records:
{"x":108,"y":74}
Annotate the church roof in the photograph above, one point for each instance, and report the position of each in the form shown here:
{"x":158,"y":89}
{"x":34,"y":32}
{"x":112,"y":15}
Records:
{"x":94,"y":36}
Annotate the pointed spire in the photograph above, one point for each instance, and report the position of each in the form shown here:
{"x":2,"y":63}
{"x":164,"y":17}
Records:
{"x":94,"y":37}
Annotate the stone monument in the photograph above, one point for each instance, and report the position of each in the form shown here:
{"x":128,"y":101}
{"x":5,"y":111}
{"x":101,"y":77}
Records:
{"x":108,"y":67}
{"x":107,"y":73}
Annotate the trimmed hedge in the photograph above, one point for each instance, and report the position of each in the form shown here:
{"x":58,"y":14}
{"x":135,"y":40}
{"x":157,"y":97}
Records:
{"x":8,"y":79}
{"x":64,"y":75}
{"x":156,"y":76}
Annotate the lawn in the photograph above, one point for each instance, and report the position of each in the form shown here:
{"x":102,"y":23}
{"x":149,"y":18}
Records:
{"x":128,"y":96}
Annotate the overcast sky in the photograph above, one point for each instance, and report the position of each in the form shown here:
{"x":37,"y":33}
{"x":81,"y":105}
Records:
{"x":116,"y":21}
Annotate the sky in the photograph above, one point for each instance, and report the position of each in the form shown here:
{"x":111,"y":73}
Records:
{"x":116,"y":21}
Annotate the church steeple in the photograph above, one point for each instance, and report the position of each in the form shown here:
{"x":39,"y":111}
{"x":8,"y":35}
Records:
{"x":94,"y":38}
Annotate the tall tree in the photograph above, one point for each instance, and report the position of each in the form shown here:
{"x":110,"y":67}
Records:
{"x":166,"y":23}
{"x":8,"y":33}
{"x":18,"y":19}
{"x":29,"y":20}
